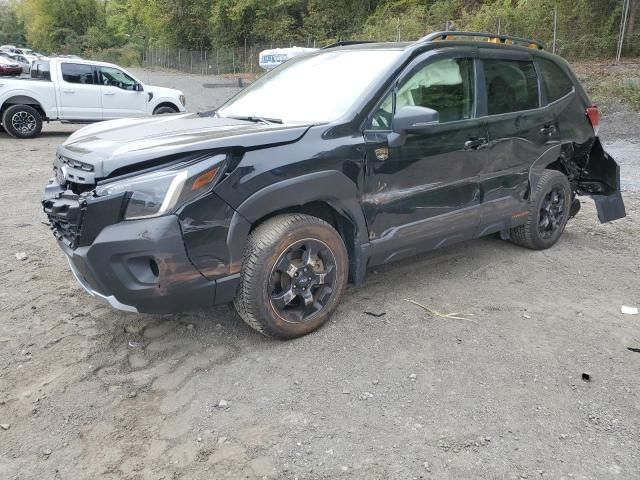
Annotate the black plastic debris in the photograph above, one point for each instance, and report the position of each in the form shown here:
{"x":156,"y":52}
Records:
{"x":586,"y":377}
{"x":631,"y":349}
{"x":377,"y":315}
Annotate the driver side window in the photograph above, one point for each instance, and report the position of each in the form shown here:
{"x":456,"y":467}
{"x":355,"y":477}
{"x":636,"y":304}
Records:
{"x":444,"y":85}
{"x":112,"y":77}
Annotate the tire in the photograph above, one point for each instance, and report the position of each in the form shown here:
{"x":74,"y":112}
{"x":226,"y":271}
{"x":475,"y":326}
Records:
{"x":164,"y":110}
{"x":548,"y":212}
{"x":292,"y":254}
{"x":22,"y":121}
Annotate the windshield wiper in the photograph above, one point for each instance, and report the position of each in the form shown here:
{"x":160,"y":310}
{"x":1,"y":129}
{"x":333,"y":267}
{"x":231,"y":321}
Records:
{"x":257,"y":119}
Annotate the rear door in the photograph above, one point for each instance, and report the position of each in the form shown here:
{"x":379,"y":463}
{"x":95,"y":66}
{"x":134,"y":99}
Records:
{"x":79,"y":92}
{"x":119,"y":95}
{"x":520,"y":130}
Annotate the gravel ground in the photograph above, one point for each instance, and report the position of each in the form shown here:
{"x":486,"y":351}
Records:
{"x":88,"y":392}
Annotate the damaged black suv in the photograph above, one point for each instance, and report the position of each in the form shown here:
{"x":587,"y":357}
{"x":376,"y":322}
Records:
{"x":352,"y":156}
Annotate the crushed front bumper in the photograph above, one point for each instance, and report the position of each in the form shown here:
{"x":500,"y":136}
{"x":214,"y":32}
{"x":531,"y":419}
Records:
{"x":111,"y":300}
{"x":142,"y":266}
{"x":136,"y":265}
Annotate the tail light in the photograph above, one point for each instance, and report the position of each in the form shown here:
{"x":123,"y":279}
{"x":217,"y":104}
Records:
{"x":593,"y":114}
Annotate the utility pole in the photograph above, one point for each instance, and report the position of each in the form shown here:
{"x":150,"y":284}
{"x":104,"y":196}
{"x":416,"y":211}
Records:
{"x":623,"y":28}
{"x":555,"y":27}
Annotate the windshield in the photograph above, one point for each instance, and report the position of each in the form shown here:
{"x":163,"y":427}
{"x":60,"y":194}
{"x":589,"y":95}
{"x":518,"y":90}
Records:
{"x":318,"y":88}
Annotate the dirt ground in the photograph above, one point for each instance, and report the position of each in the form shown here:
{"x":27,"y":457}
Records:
{"x":88,"y":392}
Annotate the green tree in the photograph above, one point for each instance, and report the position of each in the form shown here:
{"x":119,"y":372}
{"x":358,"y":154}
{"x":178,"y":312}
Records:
{"x":12,"y":29}
{"x":59,"y":24}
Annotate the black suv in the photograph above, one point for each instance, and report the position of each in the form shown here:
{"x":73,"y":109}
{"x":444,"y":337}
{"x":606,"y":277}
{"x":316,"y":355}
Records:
{"x":353,"y":156}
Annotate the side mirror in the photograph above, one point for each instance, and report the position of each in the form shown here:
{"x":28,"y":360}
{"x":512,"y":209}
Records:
{"x":139,"y":87}
{"x":414,"y":119}
{"x":411,"y":120}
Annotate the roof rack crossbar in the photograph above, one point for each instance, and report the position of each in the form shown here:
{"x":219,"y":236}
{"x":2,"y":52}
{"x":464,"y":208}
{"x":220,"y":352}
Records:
{"x":490,"y":36}
{"x":345,"y":43}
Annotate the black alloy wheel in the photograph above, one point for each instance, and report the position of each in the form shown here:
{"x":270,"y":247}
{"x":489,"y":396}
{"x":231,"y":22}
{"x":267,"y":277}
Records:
{"x":302,"y":280}
{"x":547,"y":213}
{"x":551,"y":215}
{"x":293,"y":274}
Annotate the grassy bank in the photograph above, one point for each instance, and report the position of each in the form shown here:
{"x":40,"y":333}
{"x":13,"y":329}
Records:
{"x":612,"y":86}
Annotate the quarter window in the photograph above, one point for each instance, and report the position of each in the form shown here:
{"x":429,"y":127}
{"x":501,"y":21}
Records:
{"x":78,"y":73}
{"x":512,"y":86}
{"x":556,"y":83}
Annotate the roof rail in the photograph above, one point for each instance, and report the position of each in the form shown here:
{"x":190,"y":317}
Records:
{"x":344,"y":43}
{"x":491,"y":37}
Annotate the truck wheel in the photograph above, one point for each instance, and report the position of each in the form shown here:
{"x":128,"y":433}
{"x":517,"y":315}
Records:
{"x":294,"y":272}
{"x":548,"y":212}
{"x":163,"y":110}
{"x":22,"y":121}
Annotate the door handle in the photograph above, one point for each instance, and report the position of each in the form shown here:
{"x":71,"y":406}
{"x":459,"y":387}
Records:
{"x":69,"y":91}
{"x":109,"y":93}
{"x":548,"y":129}
{"x":474,"y":143}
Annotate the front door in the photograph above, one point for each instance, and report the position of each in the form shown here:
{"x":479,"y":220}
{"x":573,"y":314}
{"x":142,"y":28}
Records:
{"x":425,"y":193}
{"x":120,"y":97}
{"x":79,"y":92}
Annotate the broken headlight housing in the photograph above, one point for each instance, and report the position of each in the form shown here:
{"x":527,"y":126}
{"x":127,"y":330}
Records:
{"x":156,"y":193}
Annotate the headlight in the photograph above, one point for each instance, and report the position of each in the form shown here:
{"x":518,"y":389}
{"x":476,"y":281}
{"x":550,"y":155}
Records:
{"x":183,"y":100}
{"x":156,"y":193}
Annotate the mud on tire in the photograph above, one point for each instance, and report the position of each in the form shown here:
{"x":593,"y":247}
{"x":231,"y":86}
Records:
{"x":293,"y":275}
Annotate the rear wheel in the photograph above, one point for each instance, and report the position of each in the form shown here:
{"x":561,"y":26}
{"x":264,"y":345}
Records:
{"x":164,"y":110}
{"x":22,"y":121}
{"x":293,"y":275}
{"x":548,"y":212}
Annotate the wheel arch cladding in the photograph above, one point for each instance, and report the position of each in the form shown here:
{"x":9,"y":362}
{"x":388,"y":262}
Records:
{"x":550,"y":157}
{"x":22,"y":100}
{"x":329,"y":195}
{"x":166,"y":104}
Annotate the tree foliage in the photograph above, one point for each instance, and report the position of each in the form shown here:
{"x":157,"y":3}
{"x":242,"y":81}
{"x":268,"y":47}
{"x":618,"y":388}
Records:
{"x":586,"y":28}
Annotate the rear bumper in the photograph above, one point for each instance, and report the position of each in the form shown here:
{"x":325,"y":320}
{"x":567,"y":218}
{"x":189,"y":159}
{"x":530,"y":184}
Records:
{"x":142,"y":266}
{"x":602,"y":182}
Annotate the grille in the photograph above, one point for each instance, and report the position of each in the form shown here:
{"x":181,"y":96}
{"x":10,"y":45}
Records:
{"x":66,"y":213}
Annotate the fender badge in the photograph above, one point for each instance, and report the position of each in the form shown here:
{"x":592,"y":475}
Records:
{"x":382,"y":153}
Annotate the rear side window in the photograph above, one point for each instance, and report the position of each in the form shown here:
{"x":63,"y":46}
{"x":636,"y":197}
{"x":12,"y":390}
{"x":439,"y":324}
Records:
{"x":556,"y":83}
{"x":40,"y":69}
{"x":77,"y":73}
{"x":512,"y":86}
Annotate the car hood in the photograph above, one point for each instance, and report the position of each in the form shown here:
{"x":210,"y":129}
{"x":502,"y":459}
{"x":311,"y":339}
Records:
{"x":109,"y":146}
{"x":163,"y":92}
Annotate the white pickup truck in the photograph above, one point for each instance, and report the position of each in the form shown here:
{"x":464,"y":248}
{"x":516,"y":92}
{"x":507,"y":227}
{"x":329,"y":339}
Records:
{"x":79,"y":91}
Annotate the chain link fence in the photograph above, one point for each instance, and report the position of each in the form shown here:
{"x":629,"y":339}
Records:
{"x":215,"y":61}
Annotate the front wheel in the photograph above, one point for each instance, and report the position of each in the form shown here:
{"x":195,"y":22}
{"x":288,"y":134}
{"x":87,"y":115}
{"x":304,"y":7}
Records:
{"x":22,"y":121}
{"x":294,"y":272}
{"x":549,"y":211}
{"x":164,"y":110}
